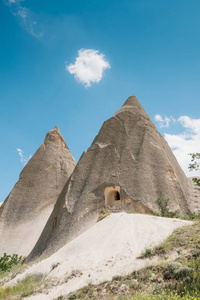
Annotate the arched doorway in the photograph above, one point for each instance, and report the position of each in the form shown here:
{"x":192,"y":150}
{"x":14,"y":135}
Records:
{"x":112,"y":197}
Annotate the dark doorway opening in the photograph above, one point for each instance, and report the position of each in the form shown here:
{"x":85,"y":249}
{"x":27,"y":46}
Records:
{"x":117,"y":196}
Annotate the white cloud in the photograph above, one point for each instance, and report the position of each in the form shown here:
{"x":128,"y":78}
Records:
{"x":26,"y":18}
{"x":88,"y":67}
{"x":10,"y":2}
{"x":191,"y":124}
{"x":28,"y":21}
{"x":186,"y":142}
{"x":22,"y":12}
{"x":164,"y":122}
{"x":23,"y":158}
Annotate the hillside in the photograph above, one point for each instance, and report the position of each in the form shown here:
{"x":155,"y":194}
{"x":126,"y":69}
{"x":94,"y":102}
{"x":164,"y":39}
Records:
{"x":111,"y":248}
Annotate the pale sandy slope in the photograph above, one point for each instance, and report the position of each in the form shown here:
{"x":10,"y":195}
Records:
{"x":109,"y":248}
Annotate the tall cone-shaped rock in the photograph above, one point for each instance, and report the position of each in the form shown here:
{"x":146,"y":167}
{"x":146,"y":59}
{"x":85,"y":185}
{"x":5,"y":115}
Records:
{"x":26,"y":210}
{"x":128,"y":166}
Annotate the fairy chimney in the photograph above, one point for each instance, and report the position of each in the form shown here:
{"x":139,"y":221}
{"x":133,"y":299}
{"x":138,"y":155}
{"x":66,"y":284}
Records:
{"x":127,"y":167}
{"x":26,"y":210}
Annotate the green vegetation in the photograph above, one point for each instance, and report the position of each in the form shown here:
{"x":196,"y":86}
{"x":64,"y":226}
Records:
{"x":176,"y":280}
{"x":181,"y":240}
{"x":146,"y":253}
{"x":23,"y":288}
{"x":104,"y":213}
{"x":195,"y":165}
{"x":87,"y":291}
{"x":195,"y":161}
{"x":165,"y":212}
{"x":163,"y":295}
{"x":117,"y":278}
{"x":7,"y":261}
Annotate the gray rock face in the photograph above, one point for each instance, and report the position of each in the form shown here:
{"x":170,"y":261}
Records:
{"x":26,"y":210}
{"x":128,"y":166}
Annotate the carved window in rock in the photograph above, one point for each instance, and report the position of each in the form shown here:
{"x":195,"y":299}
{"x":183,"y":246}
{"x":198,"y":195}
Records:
{"x":112,"y":196}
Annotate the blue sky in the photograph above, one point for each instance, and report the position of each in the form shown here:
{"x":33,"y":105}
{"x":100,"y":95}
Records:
{"x":149,"y":49}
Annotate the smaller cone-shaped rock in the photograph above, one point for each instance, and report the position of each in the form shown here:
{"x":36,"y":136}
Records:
{"x":29,"y":205}
{"x":128,"y":166}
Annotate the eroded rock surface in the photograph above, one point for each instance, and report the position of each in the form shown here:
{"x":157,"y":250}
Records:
{"x":26,"y":210}
{"x":194,"y":195}
{"x":131,"y":158}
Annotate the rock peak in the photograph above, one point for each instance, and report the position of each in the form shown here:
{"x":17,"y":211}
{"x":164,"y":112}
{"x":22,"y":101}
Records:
{"x":27,"y":208}
{"x":133,"y":105}
{"x":55,"y":136}
{"x":132,"y":101}
{"x":127,"y":167}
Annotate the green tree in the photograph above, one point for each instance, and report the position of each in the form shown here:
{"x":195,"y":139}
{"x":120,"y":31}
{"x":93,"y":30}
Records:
{"x":195,"y":165}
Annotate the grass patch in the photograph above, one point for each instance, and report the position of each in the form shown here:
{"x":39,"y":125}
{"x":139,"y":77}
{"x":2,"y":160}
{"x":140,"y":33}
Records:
{"x":178,"y":280}
{"x":6,"y":276}
{"x":146,"y":253}
{"x":165,"y":212}
{"x":182,"y":240}
{"x":163,"y":295}
{"x":103,"y":214}
{"x":22,"y":289}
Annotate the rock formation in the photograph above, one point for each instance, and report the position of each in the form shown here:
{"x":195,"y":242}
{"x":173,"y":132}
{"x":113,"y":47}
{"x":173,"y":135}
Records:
{"x":26,"y":210}
{"x":127,"y":167}
{"x":194,"y":195}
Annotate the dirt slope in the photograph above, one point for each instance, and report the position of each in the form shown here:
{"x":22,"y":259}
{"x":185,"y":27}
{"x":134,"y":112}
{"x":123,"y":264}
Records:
{"x":109,"y":248}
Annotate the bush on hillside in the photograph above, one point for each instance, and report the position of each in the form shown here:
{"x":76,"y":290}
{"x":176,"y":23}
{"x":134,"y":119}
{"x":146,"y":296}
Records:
{"x":165,"y":212}
{"x":7,"y":261}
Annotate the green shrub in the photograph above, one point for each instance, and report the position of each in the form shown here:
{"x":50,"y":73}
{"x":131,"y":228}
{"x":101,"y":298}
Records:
{"x":147,"y":252}
{"x":104,"y":213}
{"x":184,"y":272}
{"x":165,"y":212}
{"x":117,"y":278}
{"x":177,"y":271}
{"x":7,"y":261}
{"x":162,"y":203}
{"x":72,"y":296}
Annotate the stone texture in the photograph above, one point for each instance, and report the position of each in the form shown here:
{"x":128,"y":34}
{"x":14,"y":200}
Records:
{"x":26,"y":210}
{"x":194,"y":195}
{"x":127,"y":154}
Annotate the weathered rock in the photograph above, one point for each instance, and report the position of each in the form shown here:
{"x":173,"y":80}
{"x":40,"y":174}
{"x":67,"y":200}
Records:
{"x":26,"y":210}
{"x":128,"y":166}
{"x":194,"y":195}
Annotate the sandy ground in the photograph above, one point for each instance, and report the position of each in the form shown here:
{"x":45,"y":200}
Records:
{"x":109,"y":248}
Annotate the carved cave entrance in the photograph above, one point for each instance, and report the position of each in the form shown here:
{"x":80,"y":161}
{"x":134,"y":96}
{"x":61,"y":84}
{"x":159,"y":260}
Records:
{"x":113,"y":198}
